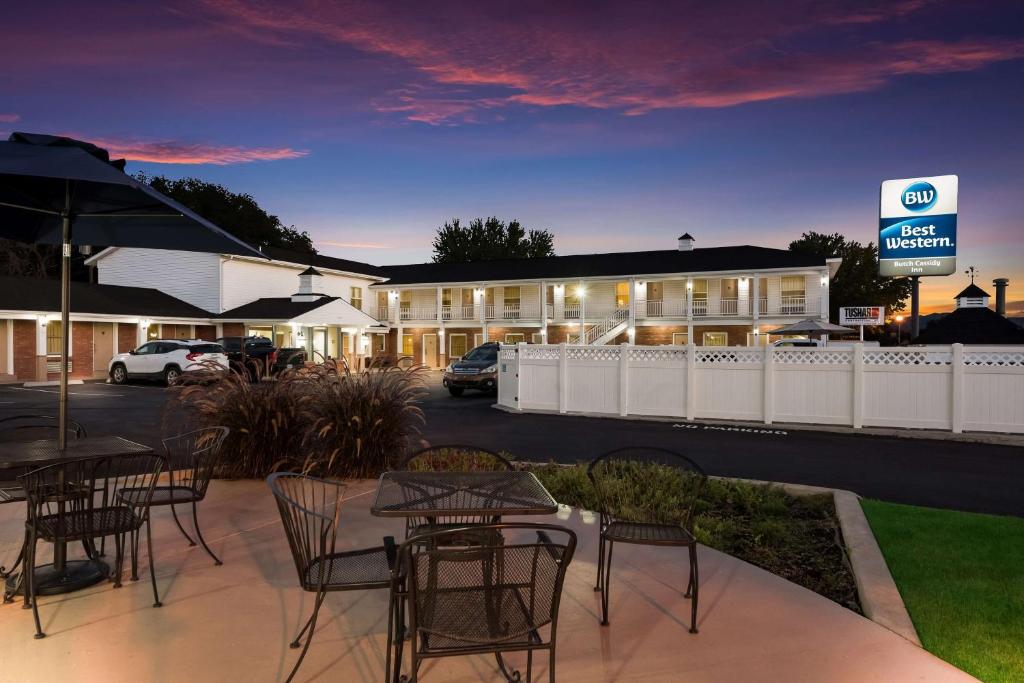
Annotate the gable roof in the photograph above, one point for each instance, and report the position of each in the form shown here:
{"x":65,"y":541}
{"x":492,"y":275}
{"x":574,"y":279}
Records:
{"x":972,"y":326}
{"x":275,"y":308}
{"x":32,"y":294}
{"x":972,"y":291}
{"x":321,"y":261}
{"x":745,"y":257}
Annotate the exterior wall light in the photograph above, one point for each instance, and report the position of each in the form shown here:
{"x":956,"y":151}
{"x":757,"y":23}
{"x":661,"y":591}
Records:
{"x":580,"y":291}
{"x":757,"y":330}
{"x":824,"y":280}
{"x":689,"y":285}
{"x":632,"y":333}
{"x":559,"y":288}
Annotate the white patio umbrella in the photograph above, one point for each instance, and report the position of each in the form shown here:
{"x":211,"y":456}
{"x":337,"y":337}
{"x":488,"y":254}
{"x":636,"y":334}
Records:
{"x":56,"y":190}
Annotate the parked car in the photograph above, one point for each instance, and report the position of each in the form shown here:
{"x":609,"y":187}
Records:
{"x":478,"y":369}
{"x":257,"y":356}
{"x":166,"y":359}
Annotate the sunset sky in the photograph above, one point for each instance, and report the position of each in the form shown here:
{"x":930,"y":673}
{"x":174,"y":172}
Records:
{"x":617,"y":126}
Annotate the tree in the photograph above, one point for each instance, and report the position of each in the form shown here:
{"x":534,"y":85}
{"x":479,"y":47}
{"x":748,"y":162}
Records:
{"x":490,"y":240}
{"x":239,"y":214}
{"x":857,"y":282}
{"x":19,"y":259}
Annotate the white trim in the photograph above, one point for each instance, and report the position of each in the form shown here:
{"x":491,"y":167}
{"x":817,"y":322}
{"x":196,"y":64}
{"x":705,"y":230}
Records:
{"x":680,"y":334}
{"x":10,"y":347}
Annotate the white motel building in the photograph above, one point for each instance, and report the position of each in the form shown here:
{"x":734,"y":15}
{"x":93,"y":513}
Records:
{"x":717,"y":296}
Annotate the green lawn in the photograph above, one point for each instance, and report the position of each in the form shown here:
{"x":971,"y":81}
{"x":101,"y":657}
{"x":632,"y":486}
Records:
{"x":962,"y":578}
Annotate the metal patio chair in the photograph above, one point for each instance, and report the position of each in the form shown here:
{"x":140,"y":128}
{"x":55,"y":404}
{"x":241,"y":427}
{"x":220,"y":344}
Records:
{"x":631,"y":516}
{"x":91,"y":498}
{"x":310,"y":509}
{"x":452,"y":458}
{"x":25,"y":428}
{"x":485,"y":599}
{"x":191,"y":459}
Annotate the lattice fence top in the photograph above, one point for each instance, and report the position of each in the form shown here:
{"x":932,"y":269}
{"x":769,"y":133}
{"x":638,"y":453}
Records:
{"x":813,"y":356}
{"x":508,"y":353}
{"x":723,"y":355}
{"x":656,"y":354}
{"x":1005,"y":359}
{"x":540,"y":352}
{"x":907,"y":357}
{"x":592,"y":352}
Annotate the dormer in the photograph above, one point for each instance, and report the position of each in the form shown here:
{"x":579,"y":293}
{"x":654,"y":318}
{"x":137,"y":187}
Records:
{"x":972,"y":297}
{"x":309,"y":285}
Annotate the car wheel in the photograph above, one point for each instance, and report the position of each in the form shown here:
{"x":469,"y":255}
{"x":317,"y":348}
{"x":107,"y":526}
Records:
{"x":171,"y":374}
{"x":455,"y":391}
{"x":118,"y":374}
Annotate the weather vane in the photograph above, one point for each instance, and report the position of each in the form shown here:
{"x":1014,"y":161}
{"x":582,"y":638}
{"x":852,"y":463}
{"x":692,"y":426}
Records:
{"x":972,"y":271}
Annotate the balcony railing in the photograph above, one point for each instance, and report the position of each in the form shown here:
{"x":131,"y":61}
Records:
{"x":511,"y":312}
{"x":700,"y":308}
{"x":762,"y":306}
{"x":793,"y":305}
{"x":571,"y":311}
{"x":417,"y":313}
{"x":381,"y":312}
{"x":672,"y":308}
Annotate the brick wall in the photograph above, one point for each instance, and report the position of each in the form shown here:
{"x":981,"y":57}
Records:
{"x":127,"y":337}
{"x":737,"y":333}
{"x":498,"y":333}
{"x":25,"y":350}
{"x":81,"y":350}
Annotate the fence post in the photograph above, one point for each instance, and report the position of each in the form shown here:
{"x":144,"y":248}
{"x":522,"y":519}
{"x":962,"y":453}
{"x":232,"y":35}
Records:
{"x":957,"y":390}
{"x":624,"y":378}
{"x":520,"y":348}
{"x":769,"y":384}
{"x":563,"y":379}
{"x":691,"y":378}
{"x":858,"y":385}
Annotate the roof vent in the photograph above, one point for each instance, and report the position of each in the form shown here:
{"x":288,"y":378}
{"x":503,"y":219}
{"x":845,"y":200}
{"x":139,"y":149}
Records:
{"x":686,"y":242}
{"x":973,"y":296}
{"x":1000,"y":285}
{"x":309,"y":283}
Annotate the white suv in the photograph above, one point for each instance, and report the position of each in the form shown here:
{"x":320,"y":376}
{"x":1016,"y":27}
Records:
{"x":165,"y":359}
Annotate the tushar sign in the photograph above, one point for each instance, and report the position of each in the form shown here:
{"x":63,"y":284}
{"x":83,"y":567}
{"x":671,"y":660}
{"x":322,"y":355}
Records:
{"x":862,"y":315}
{"x":917,"y":226}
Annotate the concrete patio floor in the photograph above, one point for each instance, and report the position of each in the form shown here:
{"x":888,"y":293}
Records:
{"x":234,"y":622}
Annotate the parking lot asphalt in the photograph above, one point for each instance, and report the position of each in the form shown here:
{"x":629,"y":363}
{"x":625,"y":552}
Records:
{"x":936,"y":473}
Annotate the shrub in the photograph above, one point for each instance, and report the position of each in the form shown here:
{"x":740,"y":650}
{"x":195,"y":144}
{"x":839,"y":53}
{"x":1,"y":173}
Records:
{"x":316,"y":420}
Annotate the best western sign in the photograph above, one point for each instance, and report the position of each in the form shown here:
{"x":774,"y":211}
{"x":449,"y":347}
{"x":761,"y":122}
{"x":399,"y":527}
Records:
{"x":917,"y":226}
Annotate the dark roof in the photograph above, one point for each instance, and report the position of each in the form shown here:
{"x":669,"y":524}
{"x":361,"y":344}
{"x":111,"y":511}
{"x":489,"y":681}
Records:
{"x":321,"y":261}
{"x":686,"y":236}
{"x":972,"y":291}
{"x":275,"y":308}
{"x":31,"y":294}
{"x":627,"y":263}
{"x":310,"y":271}
{"x":972,"y":326}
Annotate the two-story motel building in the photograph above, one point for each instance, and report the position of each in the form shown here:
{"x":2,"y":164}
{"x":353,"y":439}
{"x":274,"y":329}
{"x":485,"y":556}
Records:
{"x":718,"y":296}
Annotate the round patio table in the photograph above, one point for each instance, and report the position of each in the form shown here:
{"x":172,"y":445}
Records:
{"x":63,"y":575}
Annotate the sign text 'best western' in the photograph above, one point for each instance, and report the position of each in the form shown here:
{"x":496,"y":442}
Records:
{"x":917,"y":226}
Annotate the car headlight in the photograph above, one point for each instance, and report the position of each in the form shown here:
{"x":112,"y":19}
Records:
{"x":449,"y":368}
{"x":490,"y":369}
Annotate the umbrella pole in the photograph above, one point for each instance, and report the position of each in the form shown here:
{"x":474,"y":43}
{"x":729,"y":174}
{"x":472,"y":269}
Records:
{"x":65,"y":323}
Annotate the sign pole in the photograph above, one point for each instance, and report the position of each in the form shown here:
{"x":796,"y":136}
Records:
{"x":861,"y":328}
{"x":915,"y":307}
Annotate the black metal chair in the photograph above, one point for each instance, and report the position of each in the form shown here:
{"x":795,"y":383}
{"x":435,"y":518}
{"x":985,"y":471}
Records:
{"x":191,"y":459}
{"x":91,"y":498}
{"x":310,"y":509}
{"x":485,"y":599}
{"x":25,"y":428}
{"x":631,"y":512}
{"x":452,"y":458}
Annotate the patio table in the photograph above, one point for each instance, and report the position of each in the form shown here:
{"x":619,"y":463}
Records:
{"x":64,"y":576}
{"x":455,"y":494}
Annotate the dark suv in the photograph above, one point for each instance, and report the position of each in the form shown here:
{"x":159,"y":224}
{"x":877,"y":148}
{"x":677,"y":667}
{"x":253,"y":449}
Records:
{"x":478,"y":369}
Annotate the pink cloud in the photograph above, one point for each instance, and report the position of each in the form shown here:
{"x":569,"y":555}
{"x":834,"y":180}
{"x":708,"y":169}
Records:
{"x":9,"y":118}
{"x":469,"y":59}
{"x":180,"y":152}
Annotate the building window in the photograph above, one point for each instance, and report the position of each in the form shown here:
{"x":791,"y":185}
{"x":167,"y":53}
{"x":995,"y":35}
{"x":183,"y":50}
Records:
{"x":53,"y":328}
{"x":153,"y":332}
{"x":380,"y":343}
{"x":716,"y":339}
{"x":446,"y":296}
{"x":382,"y":301}
{"x":456,"y":346}
{"x":537,"y":338}
{"x":512,"y":296}
{"x":514,"y":337}
{"x":700,"y":290}
{"x":572,"y":295}
{"x":621,"y":295}
{"x":793,"y":285}
{"x":406,"y":344}
{"x":478,"y":339}
{"x":357,"y":298}
{"x":404,"y":300}
{"x":679,"y":339}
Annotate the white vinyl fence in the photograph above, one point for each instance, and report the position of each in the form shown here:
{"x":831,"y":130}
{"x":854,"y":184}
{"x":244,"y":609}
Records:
{"x":935,"y":387}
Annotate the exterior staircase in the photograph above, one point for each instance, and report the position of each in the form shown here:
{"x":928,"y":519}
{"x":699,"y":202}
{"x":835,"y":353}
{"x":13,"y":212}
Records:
{"x":601,"y":333}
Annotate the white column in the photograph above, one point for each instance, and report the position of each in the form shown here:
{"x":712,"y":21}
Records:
{"x":858,"y":385}
{"x":624,"y":379}
{"x":220,"y":331}
{"x":358,"y":351}
{"x":563,"y":379}
{"x":141,"y":332}
{"x":691,"y":377}
{"x":481,"y":296}
{"x":544,"y":312}
{"x":755,"y":306}
{"x":41,"y":335}
{"x":440,"y":315}
{"x":399,"y":341}
{"x":689,"y":298}
{"x":769,"y":384}
{"x":632,"y":304}
{"x":957,"y":388}
{"x":10,"y":347}
{"x":823,"y":300}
